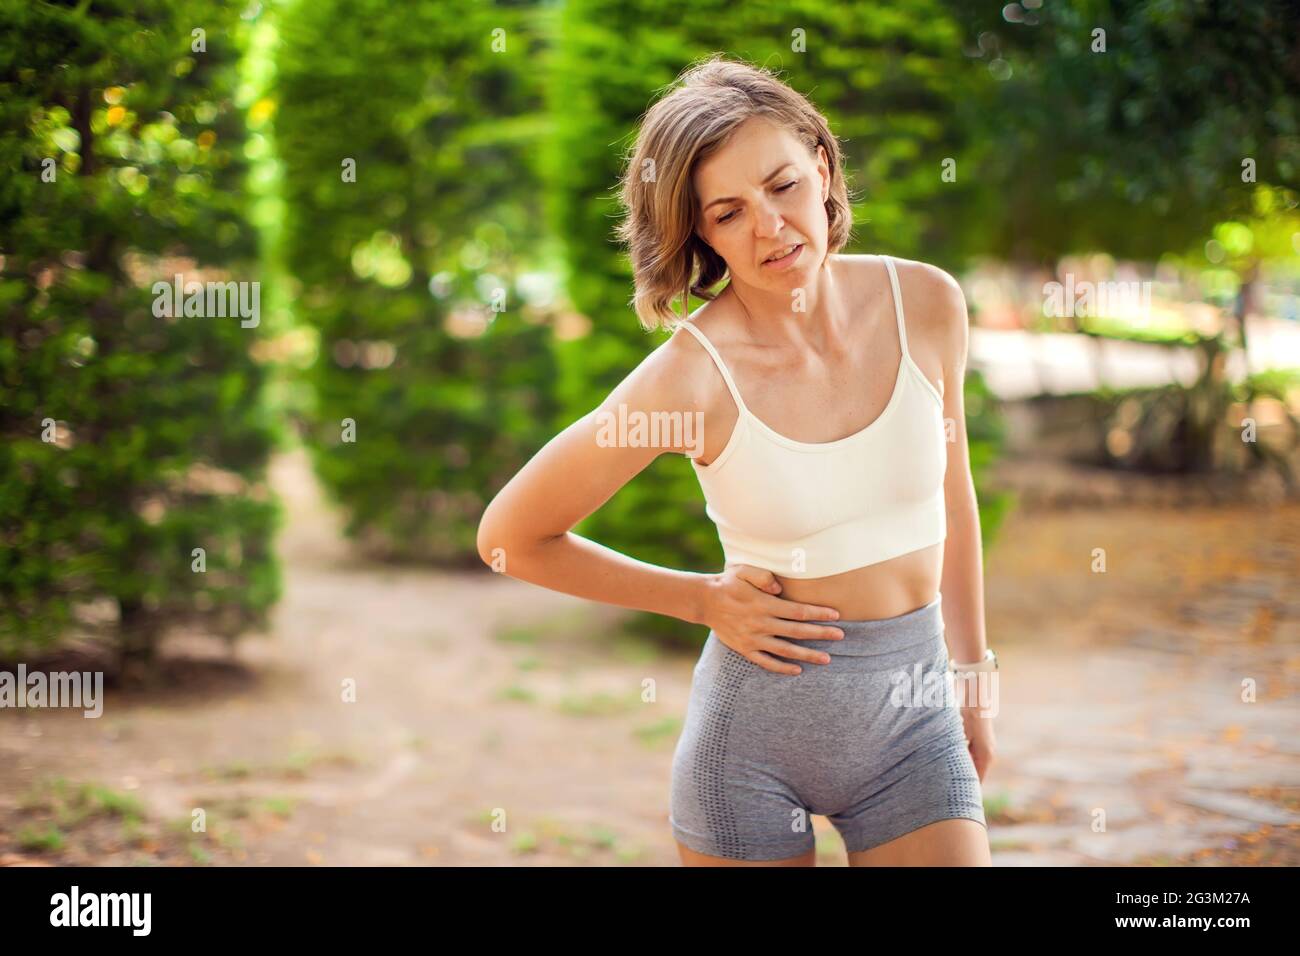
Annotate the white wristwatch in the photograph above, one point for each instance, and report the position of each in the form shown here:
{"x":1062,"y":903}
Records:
{"x":988,"y":663}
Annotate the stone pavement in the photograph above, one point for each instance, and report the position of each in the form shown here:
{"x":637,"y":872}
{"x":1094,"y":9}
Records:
{"x":1148,"y":722}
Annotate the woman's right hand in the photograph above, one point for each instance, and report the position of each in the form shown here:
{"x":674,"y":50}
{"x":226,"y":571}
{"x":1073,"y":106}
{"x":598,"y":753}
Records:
{"x":742,"y":610}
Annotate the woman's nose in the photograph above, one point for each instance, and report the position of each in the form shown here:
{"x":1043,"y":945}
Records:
{"x":769,"y":222}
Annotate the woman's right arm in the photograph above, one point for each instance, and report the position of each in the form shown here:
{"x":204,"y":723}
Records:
{"x":525,"y":530}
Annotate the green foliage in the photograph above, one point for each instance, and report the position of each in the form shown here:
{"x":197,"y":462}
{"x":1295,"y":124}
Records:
{"x":399,"y":268}
{"x":1139,"y":148}
{"x":1175,"y":429}
{"x":985,"y":438}
{"x":161,"y":439}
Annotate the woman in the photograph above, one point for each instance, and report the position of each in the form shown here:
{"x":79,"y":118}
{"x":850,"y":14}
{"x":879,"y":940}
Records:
{"x":834,"y":462}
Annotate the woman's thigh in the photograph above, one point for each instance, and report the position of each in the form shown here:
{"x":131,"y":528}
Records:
{"x":692,"y":858}
{"x":955,"y":842}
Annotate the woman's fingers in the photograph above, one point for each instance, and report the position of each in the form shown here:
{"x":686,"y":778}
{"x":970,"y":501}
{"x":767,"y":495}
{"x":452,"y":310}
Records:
{"x":772,"y":645}
{"x":779,"y":627}
{"x":798,"y":611}
{"x":770,"y":663}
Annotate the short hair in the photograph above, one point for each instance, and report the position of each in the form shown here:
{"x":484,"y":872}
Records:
{"x":695,"y":119}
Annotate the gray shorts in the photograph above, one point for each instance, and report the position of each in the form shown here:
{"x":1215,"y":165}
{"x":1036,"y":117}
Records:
{"x":873,"y":741}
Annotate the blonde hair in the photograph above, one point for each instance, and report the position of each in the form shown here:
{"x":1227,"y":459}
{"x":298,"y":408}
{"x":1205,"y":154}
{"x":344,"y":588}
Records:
{"x":695,"y":119}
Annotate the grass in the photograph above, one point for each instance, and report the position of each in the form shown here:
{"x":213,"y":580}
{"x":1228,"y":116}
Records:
{"x":219,"y":814}
{"x":575,"y":624}
{"x":631,"y":649}
{"x":238,"y":770}
{"x":72,"y":804}
{"x":241,"y":808}
{"x":579,"y":843}
{"x":525,"y":842}
{"x":235,"y":808}
{"x":90,"y":818}
{"x":996,"y":806}
{"x":598,"y":704}
{"x":296,"y":766}
{"x":1002,"y":846}
{"x":515,"y":635}
{"x":51,"y":839}
{"x":199,"y":855}
{"x":660,"y":732}
{"x":517,"y":692}
{"x":282,"y":807}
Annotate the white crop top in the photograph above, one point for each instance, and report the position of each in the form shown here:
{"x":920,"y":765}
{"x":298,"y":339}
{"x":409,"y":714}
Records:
{"x":809,"y":510}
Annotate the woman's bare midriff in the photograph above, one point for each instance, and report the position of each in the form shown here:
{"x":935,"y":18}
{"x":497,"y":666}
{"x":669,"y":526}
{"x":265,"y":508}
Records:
{"x":886,"y":589}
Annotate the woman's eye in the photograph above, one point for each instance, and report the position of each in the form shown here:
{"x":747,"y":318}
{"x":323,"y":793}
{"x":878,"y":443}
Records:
{"x":780,"y":189}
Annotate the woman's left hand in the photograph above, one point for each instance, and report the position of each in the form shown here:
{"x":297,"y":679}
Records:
{"x":978,"y":725}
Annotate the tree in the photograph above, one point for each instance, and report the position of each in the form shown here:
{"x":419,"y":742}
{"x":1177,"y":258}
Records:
{"x":411,"y":221}
{"x":133,"y":445}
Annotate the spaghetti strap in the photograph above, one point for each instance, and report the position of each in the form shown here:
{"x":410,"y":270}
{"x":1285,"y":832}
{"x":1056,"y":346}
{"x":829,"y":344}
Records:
{"x":717,"y":359}
{"x":898,"y":303}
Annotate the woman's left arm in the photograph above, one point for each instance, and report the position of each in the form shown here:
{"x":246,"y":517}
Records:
{"x":962,"y":583}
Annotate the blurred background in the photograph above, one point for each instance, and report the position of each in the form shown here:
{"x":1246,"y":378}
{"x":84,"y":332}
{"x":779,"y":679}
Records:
{"x":262,"y":531}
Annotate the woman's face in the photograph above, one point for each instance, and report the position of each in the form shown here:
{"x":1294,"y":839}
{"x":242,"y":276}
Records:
{"x":759,"y":194}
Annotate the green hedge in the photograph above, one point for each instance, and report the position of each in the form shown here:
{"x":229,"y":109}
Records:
{"x":398,"y":268}
{"x":161,"y":437}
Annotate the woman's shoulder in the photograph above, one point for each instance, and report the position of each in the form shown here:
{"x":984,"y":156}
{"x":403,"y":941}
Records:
{"x":717,"y":323}
{"x":934,"y":311}
{"x":926,"y":282}
{"x":920,"y":278}
{"x":675,"y":375}
{"x":933,"y":301}
{"x":716,"y":318}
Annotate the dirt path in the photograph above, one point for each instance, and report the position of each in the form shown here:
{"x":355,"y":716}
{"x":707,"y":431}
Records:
{"x":480,"y":698}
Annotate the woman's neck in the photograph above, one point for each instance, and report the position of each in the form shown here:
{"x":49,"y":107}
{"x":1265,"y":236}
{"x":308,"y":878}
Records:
{"x":801,"y":316}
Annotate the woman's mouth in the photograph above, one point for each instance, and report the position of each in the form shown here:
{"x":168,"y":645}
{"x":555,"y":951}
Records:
{"x":785,"y":260}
